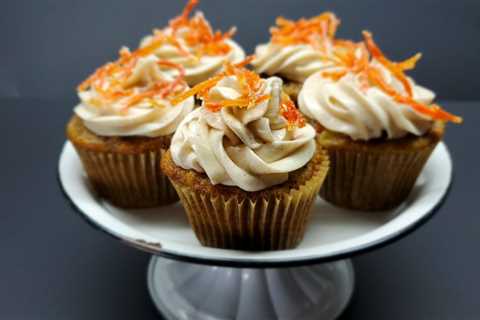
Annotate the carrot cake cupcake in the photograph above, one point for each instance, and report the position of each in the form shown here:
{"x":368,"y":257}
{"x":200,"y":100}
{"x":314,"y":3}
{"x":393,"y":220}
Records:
{"x":123,"y":126}
{"x":378,"y":126}
{"x":245,"y":165}
{"x":297,"y":49}
{"x":191,"y":42}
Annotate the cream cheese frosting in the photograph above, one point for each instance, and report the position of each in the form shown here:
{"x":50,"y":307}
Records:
{"x":251,"y":148}
{"x":197,"y":67}
{"x":151,"y":117}
{"x":297,"y":49}
{"x":345,"y":106}
{"x":294,"y":62}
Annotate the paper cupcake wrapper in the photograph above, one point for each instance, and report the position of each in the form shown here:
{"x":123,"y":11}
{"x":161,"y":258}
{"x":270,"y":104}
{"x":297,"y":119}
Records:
{"x":128,"y":180}
{"x":369,"y":181}
{"x":269,"y":223}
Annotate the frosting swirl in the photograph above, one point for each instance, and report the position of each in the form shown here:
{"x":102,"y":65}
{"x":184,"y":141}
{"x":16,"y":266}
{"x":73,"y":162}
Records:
{"x":345,"y":106}
{"x":199,"y":64}
{"x":252,"y":147}
{"x":295,"y":62}
{"x":297,"y":49}
{"x":367,"y":95}
{"x":151,"y":117}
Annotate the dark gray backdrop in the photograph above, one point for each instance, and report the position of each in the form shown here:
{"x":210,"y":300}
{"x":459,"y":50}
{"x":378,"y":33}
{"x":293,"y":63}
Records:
{"x":50,"y":45}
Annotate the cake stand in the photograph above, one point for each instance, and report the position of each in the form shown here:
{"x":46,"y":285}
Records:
{"x":313,"y":281}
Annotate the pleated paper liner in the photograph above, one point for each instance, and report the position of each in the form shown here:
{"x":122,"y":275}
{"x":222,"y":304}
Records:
{"x":273,"y":221}
{"x":377,"y":176}
{"x":129,"y":180}
{"x":126,"y":172}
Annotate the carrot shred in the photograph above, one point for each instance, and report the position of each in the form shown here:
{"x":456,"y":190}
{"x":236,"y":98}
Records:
{"x":434,"y":111}
{"x":392,"y":67}
{"x":179,"y":80}
{"x":202,"y":88}
{"x":213,"y":106}
{"x":181,"y":20}
{"x":198,"y":89}
{"x":291,"y":114}
{"x":410,"y":63}
{"x":335,"y":75}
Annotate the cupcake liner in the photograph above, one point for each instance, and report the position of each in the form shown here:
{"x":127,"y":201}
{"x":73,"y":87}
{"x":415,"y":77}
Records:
{"x":128,"y":180}
{"x":273,"y":221}
{"x":368,"y":180}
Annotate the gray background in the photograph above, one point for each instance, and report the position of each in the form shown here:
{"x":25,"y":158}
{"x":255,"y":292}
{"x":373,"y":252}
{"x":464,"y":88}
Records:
{"x":50,"y":45}
{"x":55,"y":266}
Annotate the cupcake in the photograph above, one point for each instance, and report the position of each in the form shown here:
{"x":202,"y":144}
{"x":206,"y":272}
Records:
{"x":123,"y":126}
{"x":192,"y":43}
{"x":378,"y":126}
{"x":245,"y":165}
{"x":297,"y":49}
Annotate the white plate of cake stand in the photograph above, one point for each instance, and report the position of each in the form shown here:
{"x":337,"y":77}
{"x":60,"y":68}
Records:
{"x":312,"y":281}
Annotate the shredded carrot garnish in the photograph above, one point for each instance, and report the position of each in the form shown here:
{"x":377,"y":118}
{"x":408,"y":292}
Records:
{"x":109,"y":81}
{"x":335,"y":75}
{"x":199,"y":88}
{"x":291,"y":114}
{"x":179,"y":80}
{"x":245,"y":62}
{"x":357,"y":58}
{"x":410,"y":63}
{"x":200,"y":36}
{"x":250,"y":84}
{"x":213,"y":106}
{"x":149,"y":93}
{"x":391,"y":66}
{"x":318,"y":31}
{"x":182,"y":19}
{"x":434,"y":111}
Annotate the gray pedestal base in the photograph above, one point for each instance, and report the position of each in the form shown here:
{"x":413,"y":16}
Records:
{"x":189,"y":291}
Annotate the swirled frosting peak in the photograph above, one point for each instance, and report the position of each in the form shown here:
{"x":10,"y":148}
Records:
{"x":298,"y":49}
{"x":243,"y":135}
{"x":192,"y":43}
{"x":367,"y":96}
{"x":131,"y":97}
